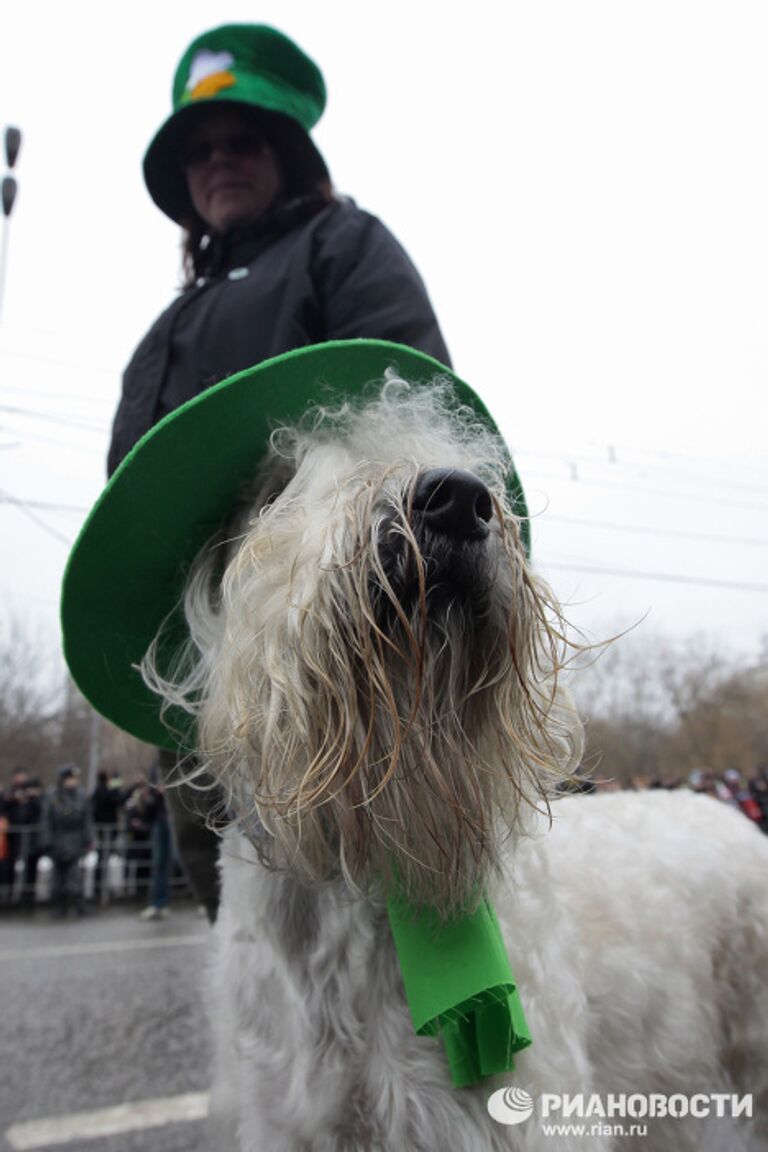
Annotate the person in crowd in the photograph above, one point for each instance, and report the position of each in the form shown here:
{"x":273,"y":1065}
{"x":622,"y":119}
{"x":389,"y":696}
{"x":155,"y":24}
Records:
{"x":29,"y":810}
{"x":11,"y":832}
{"x":724,"y":788}
{"x":106,"y":801}
{"x":162,"y":850}
{"x":66,"y":835}
{"x":607,"y":784}
{"x":758,"y":786}
{"x":6,"y":867}
{"x":273,"y":259}
{"x":703,"y":781}
{"x":742,"y":796}
{"x":139,"y":814}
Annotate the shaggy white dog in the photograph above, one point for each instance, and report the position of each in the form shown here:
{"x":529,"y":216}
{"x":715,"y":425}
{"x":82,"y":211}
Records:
{"x":375,"y":676}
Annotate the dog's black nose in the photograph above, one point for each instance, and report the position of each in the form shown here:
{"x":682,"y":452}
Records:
{"x":453,"y":502}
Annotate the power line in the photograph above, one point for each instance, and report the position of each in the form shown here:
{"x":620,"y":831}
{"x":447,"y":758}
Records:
{"x":671,"y":532}
{"x":27,"y":511}
{"x":81,"y":448}
{"x":696,"y":477}
{"x":571,"y":460}
{"x":49,"y":333}
{"x":44,"y":505}
{"x":53,"y":418}
{"x":659,"y":454}
{"x":57,"y":360}
{"x":78,"y":397}
{"x":670,"y":577}
{"x":638,"y":488}
{"x":615,"y":454}
{"x":27,"y":331}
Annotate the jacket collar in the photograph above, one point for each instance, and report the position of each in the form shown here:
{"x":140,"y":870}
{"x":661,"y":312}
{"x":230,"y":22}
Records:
{"x":240,"y":246}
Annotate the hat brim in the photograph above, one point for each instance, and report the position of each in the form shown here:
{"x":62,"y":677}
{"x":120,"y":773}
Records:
{"x":174,"y":491}
{"x":163,"y":169}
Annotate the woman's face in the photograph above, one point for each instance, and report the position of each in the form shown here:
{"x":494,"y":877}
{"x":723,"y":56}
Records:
{"x":233,"y":174}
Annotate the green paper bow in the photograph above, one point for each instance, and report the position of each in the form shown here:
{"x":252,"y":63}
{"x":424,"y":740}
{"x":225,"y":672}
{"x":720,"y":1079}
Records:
{"x":459,"y":985}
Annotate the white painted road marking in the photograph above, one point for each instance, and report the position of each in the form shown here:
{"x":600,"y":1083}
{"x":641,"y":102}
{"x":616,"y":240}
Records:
{"x":133,"y":1117}
{"x":93,"y":949}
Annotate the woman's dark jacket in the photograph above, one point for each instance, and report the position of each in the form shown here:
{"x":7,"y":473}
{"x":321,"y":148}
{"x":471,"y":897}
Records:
{"x":313,"y":273}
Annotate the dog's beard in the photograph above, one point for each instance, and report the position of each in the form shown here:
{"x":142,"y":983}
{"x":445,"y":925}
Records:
{"x":430,"y":578}
{"x":395,"y":721}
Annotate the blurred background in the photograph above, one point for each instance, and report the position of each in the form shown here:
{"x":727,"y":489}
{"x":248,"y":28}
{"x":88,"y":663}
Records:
{"x":584,"y":187}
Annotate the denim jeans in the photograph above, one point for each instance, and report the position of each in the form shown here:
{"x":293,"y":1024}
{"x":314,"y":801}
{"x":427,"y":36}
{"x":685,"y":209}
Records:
{"x":161,"y":863}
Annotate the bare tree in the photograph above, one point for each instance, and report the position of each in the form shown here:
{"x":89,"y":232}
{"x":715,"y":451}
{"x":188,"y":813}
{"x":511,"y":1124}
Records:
{"x":653,"y":707}
{"x":724,"y":722}
{"x":658,"y":707}
{"x":45,"y":721}
{"x":28,"y":701}
{"x":95,"y":745}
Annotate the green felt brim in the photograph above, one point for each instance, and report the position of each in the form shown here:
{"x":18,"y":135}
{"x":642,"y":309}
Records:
{"x":171,"y":494}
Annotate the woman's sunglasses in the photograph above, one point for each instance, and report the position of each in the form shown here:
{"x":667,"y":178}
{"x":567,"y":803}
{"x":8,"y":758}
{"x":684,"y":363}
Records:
{"x":199,"y":153}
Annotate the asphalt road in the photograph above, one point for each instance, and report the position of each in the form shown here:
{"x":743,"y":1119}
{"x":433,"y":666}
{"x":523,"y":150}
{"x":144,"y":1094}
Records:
{"x":97,"y":1013}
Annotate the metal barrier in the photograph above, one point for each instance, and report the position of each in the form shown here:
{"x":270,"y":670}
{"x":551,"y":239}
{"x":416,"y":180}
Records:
{"x":117,"y":867}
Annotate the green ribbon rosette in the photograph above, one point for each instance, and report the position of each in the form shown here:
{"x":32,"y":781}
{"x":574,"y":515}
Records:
{"x":459,"y":985}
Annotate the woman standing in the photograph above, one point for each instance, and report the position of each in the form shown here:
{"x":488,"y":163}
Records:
{"x":273,"y":260}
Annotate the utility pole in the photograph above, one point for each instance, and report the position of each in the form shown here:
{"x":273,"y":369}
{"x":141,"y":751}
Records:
{"x":9,"y":190}
{"x":94,"y":749}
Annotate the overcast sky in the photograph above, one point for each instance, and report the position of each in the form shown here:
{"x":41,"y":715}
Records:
{"x":583,"y":186}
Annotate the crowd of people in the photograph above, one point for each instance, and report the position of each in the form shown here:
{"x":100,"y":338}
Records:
{"x":65,"y":823}
{"x":746,"y":791}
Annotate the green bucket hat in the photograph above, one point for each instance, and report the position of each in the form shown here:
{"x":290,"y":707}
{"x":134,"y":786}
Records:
{"x":175,"y":490}
{"x":247,"y":65}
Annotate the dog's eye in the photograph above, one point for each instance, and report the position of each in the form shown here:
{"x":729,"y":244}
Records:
{"x":271,"y":497}
{"x":273,"y":489}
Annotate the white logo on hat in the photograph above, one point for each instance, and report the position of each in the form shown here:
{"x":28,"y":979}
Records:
{"x":206,"y":63}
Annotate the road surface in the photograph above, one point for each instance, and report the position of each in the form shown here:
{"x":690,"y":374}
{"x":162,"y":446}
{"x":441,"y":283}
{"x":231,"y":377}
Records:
{"x":97,"y":1014}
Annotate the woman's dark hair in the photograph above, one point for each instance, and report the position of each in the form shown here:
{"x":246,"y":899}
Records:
{"x":304,"y":176}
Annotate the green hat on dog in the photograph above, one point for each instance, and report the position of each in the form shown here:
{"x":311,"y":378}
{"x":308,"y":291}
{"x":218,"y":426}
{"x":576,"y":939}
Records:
{"x":176,"y":489}
{"x":246,"y":65}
